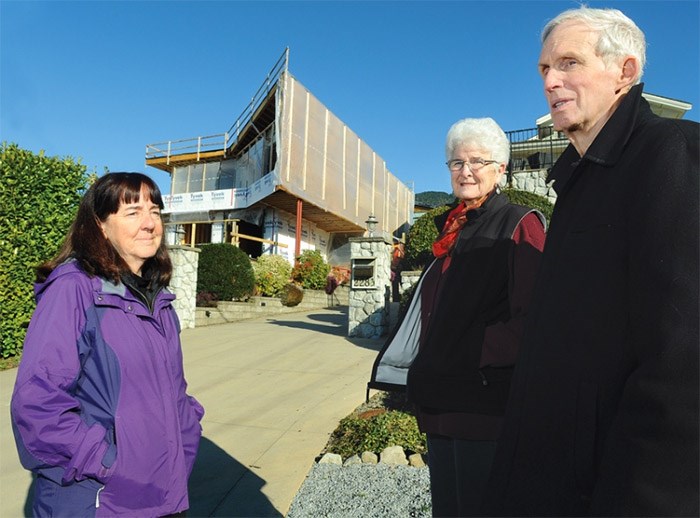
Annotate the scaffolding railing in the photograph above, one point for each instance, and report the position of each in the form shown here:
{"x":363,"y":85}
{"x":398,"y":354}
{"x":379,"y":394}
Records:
{"x":195,"y":146}
{"x":246,"y":116}
{"x":221,"y":142}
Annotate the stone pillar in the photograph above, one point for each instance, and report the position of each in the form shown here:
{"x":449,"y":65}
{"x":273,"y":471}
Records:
{"x":370,"y":287}
{"x":183,"y":283}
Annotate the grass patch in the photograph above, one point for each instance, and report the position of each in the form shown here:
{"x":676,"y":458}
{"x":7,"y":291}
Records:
{"x":387,"y":419}
{"x":9,"y":363}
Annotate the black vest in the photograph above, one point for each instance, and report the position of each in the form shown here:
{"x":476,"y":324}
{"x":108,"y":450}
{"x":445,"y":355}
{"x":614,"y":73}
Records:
{"x":445,"y":374}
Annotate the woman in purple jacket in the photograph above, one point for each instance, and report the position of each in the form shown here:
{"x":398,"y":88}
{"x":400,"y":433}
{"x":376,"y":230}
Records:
{"x":99,"y":409}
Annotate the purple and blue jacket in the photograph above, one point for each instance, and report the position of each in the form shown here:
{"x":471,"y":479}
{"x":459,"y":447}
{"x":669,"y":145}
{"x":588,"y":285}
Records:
{"x":99,"y":410}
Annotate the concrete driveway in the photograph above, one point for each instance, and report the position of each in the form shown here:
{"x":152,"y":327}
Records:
{"x":273,"y":389}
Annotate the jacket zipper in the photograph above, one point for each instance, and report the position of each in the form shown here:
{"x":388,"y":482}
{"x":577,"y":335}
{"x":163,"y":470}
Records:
{"x":97,"y":497}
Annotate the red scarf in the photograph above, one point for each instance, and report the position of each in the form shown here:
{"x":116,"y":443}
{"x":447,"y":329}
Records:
{"x":457,"y":218}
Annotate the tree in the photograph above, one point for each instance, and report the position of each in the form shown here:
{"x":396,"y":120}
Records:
{"x":40,"y":196}
{"x":434,"y":198}
{"x":419,"y":241}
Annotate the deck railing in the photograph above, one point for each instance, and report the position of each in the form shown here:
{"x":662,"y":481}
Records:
{"x":534,"y":149}
{"x":195,"y":146}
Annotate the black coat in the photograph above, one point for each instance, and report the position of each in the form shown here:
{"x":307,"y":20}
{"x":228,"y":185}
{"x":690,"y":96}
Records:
{"x":603,"y":411}
{"x":446,"y":374}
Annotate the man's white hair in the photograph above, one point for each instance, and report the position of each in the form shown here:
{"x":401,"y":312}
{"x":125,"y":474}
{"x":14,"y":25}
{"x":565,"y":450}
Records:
{"x":618,"y":35}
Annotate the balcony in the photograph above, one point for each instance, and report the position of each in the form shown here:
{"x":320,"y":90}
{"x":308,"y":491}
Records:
{"x":534,"y":149}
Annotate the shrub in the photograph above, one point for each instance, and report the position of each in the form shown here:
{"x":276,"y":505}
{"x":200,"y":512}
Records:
{"x":532,"y":200}
{"x":311,"y":271}
{"x":291,"y":295}
{"x":376,"y":431}
{"x":40,"y":196}
{"x":419,"y":241}
{"x":225,"y":272}
{"x":272,"y":273}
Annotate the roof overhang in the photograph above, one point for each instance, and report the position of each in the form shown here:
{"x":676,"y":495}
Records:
{"x":322,"y":218}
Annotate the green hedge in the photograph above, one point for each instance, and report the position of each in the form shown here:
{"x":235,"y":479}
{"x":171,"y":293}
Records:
{"x":40,"y":196}
{"x":224,"y":272}
{"x":419,"y":241}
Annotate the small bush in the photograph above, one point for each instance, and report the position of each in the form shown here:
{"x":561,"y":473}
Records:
{"x":225,"y":272}
{"x":356,"y":434}
{"x":291,"y":295}
{"x":272,"y":273}
{"x":311,"y":271}
{"x":206,"y":299}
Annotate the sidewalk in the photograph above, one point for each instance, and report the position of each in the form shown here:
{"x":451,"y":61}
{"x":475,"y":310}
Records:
{"x":273,"y":389}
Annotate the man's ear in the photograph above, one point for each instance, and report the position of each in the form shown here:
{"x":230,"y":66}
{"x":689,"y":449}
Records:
{"x":629,"y":72}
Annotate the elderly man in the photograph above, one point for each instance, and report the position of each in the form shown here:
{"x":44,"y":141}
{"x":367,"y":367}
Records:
{"x":603,"y":411}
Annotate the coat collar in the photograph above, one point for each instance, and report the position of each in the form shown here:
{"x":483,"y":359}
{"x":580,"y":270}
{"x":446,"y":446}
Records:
{"x":608,"y":146}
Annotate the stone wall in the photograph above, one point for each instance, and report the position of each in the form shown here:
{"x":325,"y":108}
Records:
{"x":184,"y":282}
{"x":534,"y":181}
{"x":261,"y":306}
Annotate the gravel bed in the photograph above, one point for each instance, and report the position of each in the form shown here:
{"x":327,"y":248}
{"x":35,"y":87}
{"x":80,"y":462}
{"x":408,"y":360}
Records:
{"x":363,"y":490}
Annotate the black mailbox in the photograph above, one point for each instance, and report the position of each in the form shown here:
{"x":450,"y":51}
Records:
{"x":363,"y":274}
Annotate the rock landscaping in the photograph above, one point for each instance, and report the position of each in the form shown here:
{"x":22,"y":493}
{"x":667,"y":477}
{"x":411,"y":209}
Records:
{"x":395,"y":482}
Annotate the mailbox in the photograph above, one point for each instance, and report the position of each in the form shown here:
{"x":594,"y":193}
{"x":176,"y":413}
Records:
{"x":363,"y":274}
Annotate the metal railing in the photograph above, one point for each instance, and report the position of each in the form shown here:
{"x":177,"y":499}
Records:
{"x":221,"y":141}
{"x":534,"y":149}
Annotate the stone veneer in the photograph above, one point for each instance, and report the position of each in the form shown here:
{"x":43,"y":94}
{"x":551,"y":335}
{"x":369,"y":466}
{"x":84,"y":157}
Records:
{"x":534,"y":181}
{"x":408,"y":279}
{"x":368,"y":307}
{"x":183,"y":284}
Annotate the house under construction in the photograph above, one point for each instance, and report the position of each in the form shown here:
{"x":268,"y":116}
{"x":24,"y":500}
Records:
{"x":287,"y":176}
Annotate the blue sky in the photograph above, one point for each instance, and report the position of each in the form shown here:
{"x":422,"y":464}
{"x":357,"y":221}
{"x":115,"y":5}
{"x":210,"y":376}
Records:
{"x":100,"y":80}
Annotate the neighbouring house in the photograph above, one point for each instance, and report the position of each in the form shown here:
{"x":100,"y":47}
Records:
{"x":287,"y":176}
{"x":534,"y":151}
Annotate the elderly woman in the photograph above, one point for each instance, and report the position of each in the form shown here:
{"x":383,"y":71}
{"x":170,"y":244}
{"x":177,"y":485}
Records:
{"x":99,"y":408}
{"x":473,"y":298}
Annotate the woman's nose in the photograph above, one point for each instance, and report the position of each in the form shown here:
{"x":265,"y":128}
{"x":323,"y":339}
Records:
{"x":148,"y":221}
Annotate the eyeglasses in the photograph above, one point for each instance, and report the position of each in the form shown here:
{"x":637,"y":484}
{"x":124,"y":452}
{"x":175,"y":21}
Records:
{"x":474,"y":164}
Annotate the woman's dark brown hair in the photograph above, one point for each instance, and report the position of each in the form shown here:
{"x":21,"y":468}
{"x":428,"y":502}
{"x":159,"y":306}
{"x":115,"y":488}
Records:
{"x":87,"y":244}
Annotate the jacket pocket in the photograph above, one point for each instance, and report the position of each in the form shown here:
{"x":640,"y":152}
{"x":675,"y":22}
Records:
{"x":585,"y":438}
